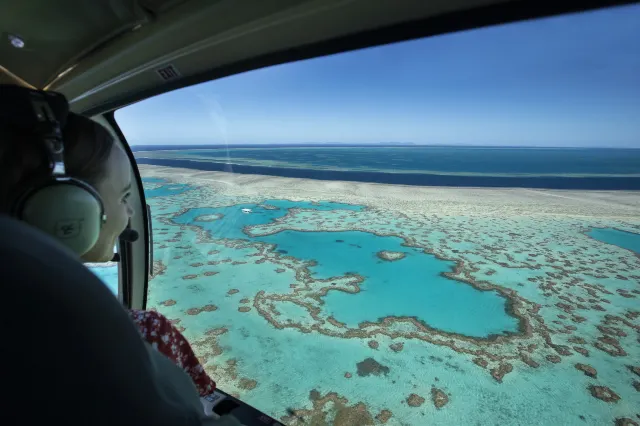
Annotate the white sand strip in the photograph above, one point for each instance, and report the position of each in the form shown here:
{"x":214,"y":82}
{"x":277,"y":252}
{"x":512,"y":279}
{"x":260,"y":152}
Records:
{"x":620,"y":205}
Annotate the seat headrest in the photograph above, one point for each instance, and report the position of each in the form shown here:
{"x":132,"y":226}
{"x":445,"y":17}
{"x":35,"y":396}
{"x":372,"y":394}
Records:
{"x":75,"y":356}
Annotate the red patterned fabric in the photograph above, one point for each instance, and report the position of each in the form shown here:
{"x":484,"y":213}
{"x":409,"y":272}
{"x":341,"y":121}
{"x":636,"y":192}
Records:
{"x":158,"y":331}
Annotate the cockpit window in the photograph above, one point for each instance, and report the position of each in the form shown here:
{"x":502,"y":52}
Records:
{"x":440,"y":231}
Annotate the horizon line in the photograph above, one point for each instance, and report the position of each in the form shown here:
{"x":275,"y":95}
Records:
{"x":379,"y":144}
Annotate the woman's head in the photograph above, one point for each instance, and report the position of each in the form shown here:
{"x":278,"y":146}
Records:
{"x":91,"y":155}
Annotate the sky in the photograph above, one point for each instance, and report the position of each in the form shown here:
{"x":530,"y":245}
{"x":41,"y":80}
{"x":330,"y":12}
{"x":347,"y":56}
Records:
{"x":572,"y":80}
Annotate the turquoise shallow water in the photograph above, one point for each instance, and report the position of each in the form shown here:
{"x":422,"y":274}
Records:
{"x":166,"y":190}
{"x":627,"y":240}
{"x":413,"y":286}
{"x":545,"y":261}
{"x":108,"y":275}
{"x":234,"y":220}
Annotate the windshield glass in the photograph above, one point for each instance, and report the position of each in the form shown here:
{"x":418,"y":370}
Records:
{"x":440,"y":231}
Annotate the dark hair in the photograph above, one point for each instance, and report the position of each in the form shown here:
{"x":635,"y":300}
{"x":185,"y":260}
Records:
{"x":23,"y":160}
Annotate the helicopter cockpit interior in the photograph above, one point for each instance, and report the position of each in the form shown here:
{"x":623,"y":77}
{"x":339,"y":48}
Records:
{"x":105,"y":56}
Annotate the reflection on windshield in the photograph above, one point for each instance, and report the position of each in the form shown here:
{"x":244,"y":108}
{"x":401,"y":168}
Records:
{"x":384,"y":282}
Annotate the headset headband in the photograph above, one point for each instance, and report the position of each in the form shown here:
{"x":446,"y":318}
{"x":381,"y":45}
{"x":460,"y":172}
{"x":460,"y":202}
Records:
{"x":36,"y":111}
{"x":50,"y":133}
{"x":17,"y":109}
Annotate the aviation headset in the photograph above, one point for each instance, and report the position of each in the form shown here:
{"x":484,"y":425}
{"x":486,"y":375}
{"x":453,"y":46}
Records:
{"x":67,"y":208}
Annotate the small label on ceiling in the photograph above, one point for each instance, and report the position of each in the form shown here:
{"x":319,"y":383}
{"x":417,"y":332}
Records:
{"x":168,"y":73}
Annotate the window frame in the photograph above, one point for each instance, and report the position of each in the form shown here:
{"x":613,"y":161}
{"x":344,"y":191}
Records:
{"x":133,"y":266}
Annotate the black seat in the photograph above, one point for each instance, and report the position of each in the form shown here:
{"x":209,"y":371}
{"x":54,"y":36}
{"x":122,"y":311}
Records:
{"x":70,"y":351}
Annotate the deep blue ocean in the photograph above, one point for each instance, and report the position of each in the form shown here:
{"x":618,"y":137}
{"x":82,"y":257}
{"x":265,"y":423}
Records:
{"x":560,"y":168}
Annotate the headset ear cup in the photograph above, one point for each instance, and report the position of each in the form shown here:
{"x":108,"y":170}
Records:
{"x":69,"y":210}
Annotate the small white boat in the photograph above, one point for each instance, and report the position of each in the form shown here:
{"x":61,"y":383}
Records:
{"x":247,"y":211}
